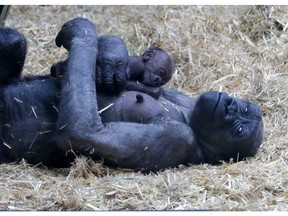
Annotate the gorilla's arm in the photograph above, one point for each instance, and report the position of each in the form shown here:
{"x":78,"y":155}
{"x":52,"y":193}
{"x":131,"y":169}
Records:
{"x":111,"y":65}
{"x":139,"y":146}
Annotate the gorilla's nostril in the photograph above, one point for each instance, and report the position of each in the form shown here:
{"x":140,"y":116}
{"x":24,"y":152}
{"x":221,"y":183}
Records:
{"x":157,"y":80}
{"x":231,"y":106}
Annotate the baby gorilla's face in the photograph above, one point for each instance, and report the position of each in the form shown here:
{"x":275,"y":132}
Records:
{"x":158,"y":67}
{"x":227,"y":127}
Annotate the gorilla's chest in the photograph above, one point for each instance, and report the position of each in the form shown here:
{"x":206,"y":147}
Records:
{"x":130,"y":107}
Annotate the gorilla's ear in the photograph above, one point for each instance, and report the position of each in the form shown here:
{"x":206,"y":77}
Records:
{"x":150,"y":53}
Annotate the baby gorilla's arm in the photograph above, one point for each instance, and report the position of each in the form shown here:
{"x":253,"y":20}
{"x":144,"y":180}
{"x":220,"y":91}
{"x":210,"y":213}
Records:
{"x":137,"y":86}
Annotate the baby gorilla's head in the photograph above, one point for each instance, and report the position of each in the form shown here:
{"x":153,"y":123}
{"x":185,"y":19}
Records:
{"x":158,"y":67}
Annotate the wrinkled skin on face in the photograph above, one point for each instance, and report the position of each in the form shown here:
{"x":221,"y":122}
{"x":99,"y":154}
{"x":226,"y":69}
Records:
{"x":227,"y":127}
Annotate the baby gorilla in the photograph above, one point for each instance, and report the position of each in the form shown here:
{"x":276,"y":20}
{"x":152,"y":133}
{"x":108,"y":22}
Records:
{"x":144,"y":73}
{"x":150,"y":71}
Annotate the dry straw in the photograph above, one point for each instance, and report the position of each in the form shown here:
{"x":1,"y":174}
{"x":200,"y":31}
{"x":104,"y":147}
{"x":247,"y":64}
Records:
{"x":238,"y":49}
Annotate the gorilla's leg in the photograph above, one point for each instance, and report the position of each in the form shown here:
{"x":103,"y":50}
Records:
{"x":139,"y":146}
{"x":13,"y":49}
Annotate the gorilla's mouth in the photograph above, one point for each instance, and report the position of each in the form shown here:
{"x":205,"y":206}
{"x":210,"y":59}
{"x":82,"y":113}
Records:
{"x":147,"y":80}
{"x":217,"y":104}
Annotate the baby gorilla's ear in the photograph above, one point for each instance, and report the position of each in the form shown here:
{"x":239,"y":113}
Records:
{"x":148,"y":54}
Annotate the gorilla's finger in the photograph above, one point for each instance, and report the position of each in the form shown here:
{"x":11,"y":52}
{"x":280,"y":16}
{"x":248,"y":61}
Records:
{"x":98,"y":75}
{"x":108,"y":77}
{"x":120,"y":79}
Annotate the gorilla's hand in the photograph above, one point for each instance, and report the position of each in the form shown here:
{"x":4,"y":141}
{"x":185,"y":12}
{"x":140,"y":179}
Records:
{"x":112,"y":62}
{"x":58,"y":69}
{"x":110,"y":76}
{"x":79,"y":29}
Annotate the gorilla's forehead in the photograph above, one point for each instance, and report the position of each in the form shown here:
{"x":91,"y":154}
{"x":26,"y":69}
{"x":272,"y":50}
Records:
{"x":241,"y":100}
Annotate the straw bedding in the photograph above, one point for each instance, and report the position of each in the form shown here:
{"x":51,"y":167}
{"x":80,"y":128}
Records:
{"x":242,"y":50}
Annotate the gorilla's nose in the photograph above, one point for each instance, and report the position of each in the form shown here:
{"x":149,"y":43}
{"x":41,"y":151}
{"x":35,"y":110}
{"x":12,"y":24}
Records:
{"x":231,"y":106}
{"x":157,"y":81}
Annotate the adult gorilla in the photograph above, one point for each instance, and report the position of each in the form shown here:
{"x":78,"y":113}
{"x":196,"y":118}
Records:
{"x":41,"y":125}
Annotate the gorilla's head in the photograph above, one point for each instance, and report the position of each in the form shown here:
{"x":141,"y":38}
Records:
{"x":158,"y":67}
{"x":226,"y":127}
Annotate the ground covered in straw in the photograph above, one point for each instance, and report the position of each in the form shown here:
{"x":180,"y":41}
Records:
{"x":242,"y":50}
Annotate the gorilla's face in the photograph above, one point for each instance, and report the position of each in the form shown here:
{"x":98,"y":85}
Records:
{"x":227,"y":127}
{"x":158,"y":67}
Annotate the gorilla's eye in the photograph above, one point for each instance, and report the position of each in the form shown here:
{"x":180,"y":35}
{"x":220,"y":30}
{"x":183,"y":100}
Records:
{"x":240,"y":129}
{"x":161,"y":73}
{"x":246,"y":109}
